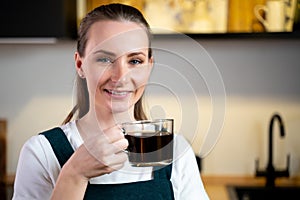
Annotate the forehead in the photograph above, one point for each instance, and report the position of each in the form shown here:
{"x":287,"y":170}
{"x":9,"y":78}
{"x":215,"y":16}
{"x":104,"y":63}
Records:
{"x":116,"y":36}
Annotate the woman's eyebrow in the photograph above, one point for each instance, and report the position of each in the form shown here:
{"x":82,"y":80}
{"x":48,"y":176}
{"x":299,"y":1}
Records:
{"x":136,"y":53}
{"x":109,"y":53}
{"x":104,"y":52}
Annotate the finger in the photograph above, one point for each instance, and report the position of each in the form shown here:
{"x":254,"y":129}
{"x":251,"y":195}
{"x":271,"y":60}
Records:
{"x":108,"y":170}
{"x":116,"y":147}
{"x":121,"y":144}
{"x":104,"y":151}
{"x":114,"y":160}
{"x":113,"y":134}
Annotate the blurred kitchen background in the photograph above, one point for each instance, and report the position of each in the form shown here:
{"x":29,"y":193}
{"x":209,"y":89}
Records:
{"x":260,"y":72}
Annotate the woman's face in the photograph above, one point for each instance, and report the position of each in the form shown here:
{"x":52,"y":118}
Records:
{"x":116,"y":65}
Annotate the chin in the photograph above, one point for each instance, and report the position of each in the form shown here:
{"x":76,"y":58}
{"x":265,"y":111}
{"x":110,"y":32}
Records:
{"x":120,"y":108}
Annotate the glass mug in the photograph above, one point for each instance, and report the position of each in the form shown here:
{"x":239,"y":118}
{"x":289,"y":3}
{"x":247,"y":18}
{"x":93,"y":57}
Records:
{"x":150,"y":142}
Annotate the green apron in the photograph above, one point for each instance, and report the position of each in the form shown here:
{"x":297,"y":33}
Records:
{"x":158,"y":188}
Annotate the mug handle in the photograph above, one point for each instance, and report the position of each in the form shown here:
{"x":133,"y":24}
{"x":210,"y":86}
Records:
{"x":257,"y":14}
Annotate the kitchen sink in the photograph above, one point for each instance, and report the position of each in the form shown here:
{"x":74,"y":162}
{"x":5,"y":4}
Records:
{"x":263,"y":193}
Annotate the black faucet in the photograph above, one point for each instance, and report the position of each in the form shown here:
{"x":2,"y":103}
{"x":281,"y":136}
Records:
{"x":270,"y":173}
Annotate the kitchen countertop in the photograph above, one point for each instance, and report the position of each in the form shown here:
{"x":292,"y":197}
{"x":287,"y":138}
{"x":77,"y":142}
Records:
{"x":216,"y":185}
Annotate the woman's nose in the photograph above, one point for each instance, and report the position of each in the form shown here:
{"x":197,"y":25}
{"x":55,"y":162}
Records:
{"x":119,"y":71}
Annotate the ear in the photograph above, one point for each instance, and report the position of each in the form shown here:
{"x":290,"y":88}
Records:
{"x":151,"y":62}
{"x":78,"y":65}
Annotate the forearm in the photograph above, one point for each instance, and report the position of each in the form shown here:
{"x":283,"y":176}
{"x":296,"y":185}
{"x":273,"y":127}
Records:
{"x":69,"y":186}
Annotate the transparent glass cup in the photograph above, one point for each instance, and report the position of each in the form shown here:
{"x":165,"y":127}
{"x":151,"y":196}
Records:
{"x":150,"y":142}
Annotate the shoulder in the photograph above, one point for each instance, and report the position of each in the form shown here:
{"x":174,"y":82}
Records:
{"x":35,"y":143}
{"x":37,"y":147}
{"x":36,"y":159}
{"x":182,"y":147}
{"x":37,"y":168}
{"x":69,"y":130}
{"x":37,"y":153}
{"x":38,"y":144}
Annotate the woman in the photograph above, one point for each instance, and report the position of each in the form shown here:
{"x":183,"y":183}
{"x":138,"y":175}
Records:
{"x":113,"y":63}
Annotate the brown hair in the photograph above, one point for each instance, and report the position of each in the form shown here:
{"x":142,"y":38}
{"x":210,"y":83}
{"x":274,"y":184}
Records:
{"x":116,"y":12}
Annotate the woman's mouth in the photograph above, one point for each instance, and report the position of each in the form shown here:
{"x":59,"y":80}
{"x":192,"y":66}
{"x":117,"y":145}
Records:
{"x":116,"y":93}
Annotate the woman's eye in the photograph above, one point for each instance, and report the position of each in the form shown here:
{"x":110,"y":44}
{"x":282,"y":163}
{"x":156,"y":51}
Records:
{"x":105,"y":60}
{"x":136,"y":61}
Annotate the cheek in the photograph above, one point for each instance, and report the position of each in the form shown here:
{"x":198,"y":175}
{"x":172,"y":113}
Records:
{"x":94,"y":79}
{"x":140,"y":77}
{"x":93,"y":71}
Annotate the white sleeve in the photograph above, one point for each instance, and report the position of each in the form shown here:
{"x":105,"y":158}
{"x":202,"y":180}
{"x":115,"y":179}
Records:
{"x":33,"y":179}
{"x":185,"y":178}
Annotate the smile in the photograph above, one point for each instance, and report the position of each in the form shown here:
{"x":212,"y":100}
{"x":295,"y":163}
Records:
{"x":116,"y":93}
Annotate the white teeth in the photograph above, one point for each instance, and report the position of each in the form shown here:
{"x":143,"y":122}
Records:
{"x":117,"y":92}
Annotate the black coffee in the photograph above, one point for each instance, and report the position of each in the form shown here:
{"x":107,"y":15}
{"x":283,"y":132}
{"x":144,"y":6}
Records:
{"x":150,"y":147}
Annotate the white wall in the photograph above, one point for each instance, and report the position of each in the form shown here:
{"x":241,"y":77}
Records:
{"x":260,"y":77}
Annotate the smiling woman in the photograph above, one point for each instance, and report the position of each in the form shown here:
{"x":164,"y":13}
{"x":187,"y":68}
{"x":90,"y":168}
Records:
{"x":123,"y":69}
{"x":86,"y":158}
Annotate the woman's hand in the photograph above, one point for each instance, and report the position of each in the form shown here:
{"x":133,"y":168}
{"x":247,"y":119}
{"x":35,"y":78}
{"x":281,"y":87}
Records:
{"x":101,"y":153}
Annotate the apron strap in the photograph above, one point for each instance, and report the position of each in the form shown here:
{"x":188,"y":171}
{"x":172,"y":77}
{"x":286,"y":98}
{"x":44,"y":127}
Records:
{"x":60,"y":144}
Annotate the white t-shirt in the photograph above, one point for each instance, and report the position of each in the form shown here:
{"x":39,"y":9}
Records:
{"x":38,"y":169}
